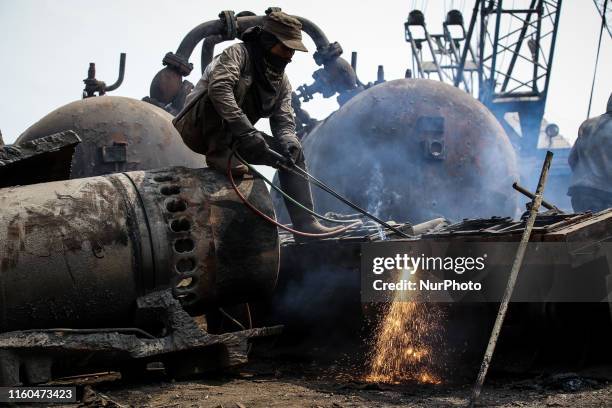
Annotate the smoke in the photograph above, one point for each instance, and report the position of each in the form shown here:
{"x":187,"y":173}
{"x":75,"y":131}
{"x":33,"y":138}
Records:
{"x":557,"y":184}
{"x":531,"y":159}
{"x":374,"y":190}
{"x":374,"y":193}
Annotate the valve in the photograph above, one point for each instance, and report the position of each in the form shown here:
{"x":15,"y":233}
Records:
{"x":92,"y":85}
{"x":325,"y":55}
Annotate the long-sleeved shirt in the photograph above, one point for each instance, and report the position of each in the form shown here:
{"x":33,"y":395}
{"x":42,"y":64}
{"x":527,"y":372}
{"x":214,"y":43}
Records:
{"x":218,"y":107}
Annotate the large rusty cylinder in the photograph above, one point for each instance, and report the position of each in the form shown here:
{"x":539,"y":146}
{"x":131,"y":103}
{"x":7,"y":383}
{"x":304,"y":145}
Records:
{"x":78,"y":253}
{"x":413,"y":150}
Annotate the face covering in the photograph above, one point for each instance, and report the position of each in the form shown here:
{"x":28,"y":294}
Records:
{"x":267,"y":69}
{"x":275,"y":62}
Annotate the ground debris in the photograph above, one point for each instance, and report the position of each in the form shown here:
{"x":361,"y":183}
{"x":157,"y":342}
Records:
{"x":316,"y":386}
{"x":568,"y":382}
{"x":92,"y":398}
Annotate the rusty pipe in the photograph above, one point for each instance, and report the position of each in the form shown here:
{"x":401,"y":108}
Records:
{"x":119,"y":80}
{"x":197,"y":34}
{"x":314,"y":32}
{"x":92,"y":85}
{"x":166,"y":84}
{"x":216,"y":27}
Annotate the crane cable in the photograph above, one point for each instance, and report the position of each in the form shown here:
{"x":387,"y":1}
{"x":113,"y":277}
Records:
{"x":603,"y":24}
{"x":272,"y":220}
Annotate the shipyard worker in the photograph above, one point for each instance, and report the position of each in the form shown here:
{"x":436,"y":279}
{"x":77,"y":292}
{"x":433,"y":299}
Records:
{"x":243,"y":84}
{"x":591,"y":163}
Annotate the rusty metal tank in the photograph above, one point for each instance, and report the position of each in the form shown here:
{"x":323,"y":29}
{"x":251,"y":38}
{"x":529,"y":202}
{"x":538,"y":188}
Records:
{"x":78,"y":253}
{"x":118,"y":134}
{"x":414,"y":149}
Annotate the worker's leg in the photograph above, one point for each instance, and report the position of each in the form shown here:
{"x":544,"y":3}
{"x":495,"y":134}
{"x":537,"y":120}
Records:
{"x":299,"y":189}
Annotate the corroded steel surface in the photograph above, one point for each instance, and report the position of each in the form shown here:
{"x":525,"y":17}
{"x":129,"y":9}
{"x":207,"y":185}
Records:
{"x":119,"y":134}
{"x":66,"y":254}
{"x":77,"y":253}
{"x":220,"y":252}
{"x":412,"y":150}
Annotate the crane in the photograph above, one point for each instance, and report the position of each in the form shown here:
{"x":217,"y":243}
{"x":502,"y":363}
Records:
{"x":504,"y":58}
{"x":508,"y":71}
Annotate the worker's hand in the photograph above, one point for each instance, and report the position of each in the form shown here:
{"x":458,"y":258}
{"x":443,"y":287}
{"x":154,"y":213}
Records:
{"x":291,"y":148}
{"x":252,"y":145}
{"x":279,"y":161}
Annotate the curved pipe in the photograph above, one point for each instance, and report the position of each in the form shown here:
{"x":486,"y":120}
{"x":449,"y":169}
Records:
{"x":167,"y":83}
{"x":314,"y":32}
{"x":208,"y":50}
{"x":196,"y":35}
{"x":216,"y":27}
{"x":119,"y":80}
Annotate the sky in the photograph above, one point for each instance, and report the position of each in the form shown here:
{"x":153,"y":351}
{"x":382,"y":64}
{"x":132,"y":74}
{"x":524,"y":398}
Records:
{"x":47,"y":46}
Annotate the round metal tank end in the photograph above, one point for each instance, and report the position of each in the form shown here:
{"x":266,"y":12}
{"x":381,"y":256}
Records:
{"x":413,"y":150}
{"x":118,"y":134}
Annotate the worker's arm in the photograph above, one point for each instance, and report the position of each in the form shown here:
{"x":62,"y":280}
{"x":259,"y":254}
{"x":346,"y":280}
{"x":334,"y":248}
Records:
{"x":223,"y":79}
{"x":282,"y":121}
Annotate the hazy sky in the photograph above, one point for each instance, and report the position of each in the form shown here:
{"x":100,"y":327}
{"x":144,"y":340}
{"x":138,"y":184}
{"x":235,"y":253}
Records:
{"x":47,"y":45}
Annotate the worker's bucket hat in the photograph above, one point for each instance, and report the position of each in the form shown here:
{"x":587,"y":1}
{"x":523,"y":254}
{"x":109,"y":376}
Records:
{"x":286,"y":28}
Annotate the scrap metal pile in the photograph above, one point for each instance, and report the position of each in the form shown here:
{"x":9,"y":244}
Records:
{"x":562,"y":314}
{"x":108,"y":271}
{"x":125,"y":252}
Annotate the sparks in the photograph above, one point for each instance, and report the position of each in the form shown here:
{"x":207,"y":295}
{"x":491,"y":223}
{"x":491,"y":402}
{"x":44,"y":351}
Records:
{"x":403,"y":347}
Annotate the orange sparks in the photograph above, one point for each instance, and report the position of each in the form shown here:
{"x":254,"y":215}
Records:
{"x":403,"y":349}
